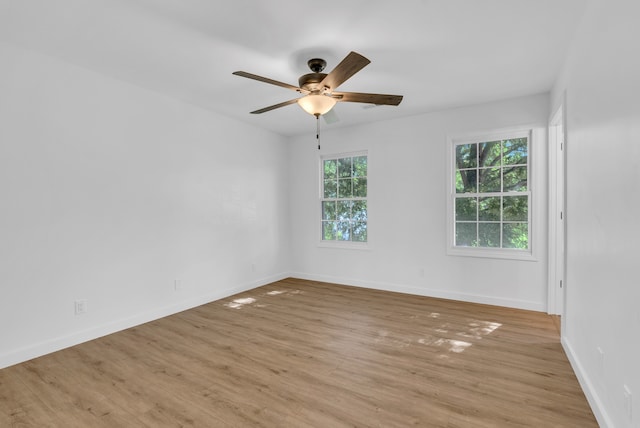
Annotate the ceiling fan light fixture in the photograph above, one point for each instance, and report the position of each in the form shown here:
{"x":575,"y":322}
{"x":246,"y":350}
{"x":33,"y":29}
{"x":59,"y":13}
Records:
{"x":316,"y":105}
{"x":319,"y":87}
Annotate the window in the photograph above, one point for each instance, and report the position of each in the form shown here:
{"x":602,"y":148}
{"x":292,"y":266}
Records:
{"x":491,"y":195}
{"x":344,"y":198}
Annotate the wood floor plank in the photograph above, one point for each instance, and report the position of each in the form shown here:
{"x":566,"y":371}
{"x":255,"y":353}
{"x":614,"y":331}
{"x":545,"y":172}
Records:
{"x":309,"y":354}
{"x":21,"y":408}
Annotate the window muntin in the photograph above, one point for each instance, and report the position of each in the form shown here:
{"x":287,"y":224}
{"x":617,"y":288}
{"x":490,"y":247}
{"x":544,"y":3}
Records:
{"x":344,"y":198}
{"x":491,"y":193}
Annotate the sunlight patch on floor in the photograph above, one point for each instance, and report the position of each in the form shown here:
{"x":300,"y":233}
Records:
{"x":476,"y":330}
{"x":456,"y":346}
{"x":385,"y":338}
{"x":239,"y":303}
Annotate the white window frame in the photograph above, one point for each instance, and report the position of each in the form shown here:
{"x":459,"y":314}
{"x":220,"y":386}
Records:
{"x":534,"y":134}
{"x":337,"y":243}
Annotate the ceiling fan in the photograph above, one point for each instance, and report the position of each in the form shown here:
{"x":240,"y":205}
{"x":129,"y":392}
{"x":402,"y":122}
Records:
{"x":319,"y":89}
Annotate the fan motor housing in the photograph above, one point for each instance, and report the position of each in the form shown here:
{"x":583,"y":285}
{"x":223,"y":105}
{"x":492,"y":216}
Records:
{"x":311,"y":82}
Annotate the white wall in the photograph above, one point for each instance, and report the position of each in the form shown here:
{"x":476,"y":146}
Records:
{"x":109,"y":193}
{"x":407,"y":209}
{"x":601,"y":82}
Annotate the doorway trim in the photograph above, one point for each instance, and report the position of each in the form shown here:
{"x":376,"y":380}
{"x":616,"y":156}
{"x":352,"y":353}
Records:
{"x":557,"y":216}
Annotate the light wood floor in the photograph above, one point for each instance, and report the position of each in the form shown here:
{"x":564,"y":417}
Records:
{"x":307,"y":354}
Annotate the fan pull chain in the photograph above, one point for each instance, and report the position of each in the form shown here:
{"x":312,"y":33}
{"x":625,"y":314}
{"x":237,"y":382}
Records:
{"x":318,"y":129}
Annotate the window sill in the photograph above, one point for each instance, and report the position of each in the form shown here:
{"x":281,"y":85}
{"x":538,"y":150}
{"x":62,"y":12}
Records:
{"x":489,"y":253}
{"x":345,"y":245}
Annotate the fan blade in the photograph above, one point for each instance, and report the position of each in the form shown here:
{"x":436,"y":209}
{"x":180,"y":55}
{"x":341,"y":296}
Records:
{"x":267,"y":80}
{"x":349,"y":66}
{"x":275,"y":106}
{"x":359,"y":97}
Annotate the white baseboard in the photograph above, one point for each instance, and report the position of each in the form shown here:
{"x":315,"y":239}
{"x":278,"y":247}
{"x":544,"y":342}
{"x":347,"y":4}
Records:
{"x":17,"y":356}
{"x":428,"y":292}
{"x":590,"y":392}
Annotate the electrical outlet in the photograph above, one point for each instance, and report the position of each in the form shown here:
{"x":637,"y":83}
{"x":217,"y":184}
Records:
{"x":253,"y":267}
{"x":421,"y":272}
{"x":177,"y":284}
{"x":628,"y":404}
{"x":80,"y":307}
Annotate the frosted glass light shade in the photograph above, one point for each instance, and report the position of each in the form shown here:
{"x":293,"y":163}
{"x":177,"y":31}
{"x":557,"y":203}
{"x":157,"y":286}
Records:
{"x":316,"y":104}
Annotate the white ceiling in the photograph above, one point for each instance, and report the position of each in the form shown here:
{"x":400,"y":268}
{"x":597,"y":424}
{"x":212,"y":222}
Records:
{"x":437,"y":53}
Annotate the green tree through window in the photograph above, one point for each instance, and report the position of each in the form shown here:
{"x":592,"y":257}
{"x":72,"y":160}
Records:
{"x":344,"y":198}
{"x":492,"y":199}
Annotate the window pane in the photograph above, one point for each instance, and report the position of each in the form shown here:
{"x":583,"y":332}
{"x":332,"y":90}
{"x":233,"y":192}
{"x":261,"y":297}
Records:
{"x":360,"y":166}
{"x":344,"y":204}
{"x":515,"y":235}
{"x":329,"y":230}
{"x":466,"y":181}
{"x":489,"y":154}
{"x":489,"y":180}
{"x":359,"y":211}
{"x":344,"y":210}
{"x":330,"y":168}
{"x":515,"y":208}
{"x":515,"y":151}
{"x":515,"y":179}
{"x":359,"y":187}
{"x":466,"y":156}
{"x":343,"y":232}
{"x":344,"y":188}
{"x":466,"y":235}
{"x":466,"y":209}
{"x":359,"y":231}
{"x":328,"y":210}
{"x":489,"y":209}
{"x":489,"y":235}
{"x":330,"y":189}
{"x":344,"y":168}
